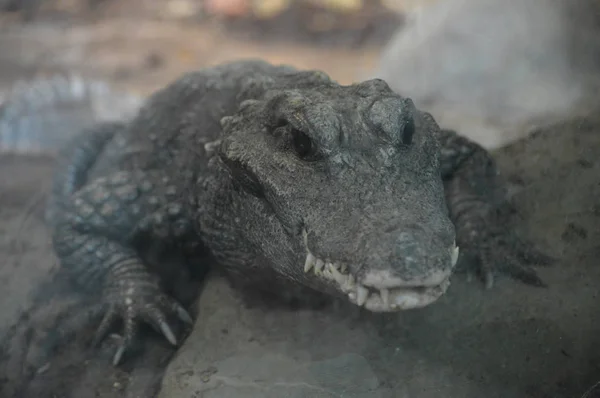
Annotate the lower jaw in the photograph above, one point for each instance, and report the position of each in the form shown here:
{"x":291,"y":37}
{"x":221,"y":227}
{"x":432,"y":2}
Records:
{"x":385,"y":299}
{"x":380,"y":299}
{"x":401,"y":299}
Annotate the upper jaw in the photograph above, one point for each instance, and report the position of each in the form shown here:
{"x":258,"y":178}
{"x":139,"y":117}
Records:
{"x":379,"y":291}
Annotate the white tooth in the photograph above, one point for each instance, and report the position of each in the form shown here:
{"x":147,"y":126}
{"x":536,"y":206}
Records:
{"x":352,"y":295}
{"x":362,"y":293}
{"x":305,"y":237}
{"x":344,"y":268}
{"x":385,"y":297}
{"x":454,"y":255}
{"x":445,"y":284}
{"x":407,"y":301}
{"x":339,"y":278}
{"x":349,"y":284}
{"x":319,"y":266}
{"x":309,"y":263}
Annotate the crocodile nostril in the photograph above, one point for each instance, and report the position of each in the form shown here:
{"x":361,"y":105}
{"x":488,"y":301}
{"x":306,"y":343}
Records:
{"x":407,"y":121}
{"x":408,"y":129}
{"x":394,"y":119}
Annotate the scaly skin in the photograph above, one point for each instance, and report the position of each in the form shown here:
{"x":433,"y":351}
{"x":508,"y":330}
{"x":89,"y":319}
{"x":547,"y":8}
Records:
{"x":288,"y":179}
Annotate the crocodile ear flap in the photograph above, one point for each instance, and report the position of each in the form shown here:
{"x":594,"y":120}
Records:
{"x":242,"y":176}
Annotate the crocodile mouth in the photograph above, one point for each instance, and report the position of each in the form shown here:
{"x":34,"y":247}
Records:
{"x":379,"y":291}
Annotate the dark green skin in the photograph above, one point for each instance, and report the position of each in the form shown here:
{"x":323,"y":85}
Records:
{"x":257,"y":164}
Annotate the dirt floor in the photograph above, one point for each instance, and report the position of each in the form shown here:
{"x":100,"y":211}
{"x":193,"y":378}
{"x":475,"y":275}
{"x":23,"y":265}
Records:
{"x":513,"y":341}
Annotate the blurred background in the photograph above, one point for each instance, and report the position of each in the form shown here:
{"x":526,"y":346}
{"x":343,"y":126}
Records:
{"x":141,"y":45}
{"x":494,"y":70}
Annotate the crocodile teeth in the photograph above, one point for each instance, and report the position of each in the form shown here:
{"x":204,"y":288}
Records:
{"x":391,"y":298}
{"x":385,"y":296}
{"x":454,"y":255}
{"x":349,"y":283}
{"x":319,"y":266}
{"x":362,"y":293}
{"x":310,"y":262}
{"x":337,"y":275}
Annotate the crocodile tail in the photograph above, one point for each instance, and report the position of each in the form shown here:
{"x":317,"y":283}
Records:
{"x":43,"y":115}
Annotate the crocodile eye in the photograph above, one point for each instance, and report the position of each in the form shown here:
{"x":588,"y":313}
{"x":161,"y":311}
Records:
{"x":302,"y":143}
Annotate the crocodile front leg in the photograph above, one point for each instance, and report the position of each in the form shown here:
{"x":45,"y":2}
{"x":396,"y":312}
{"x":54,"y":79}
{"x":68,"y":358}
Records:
{"x":474,"y":196}
{"x":103,"y":230}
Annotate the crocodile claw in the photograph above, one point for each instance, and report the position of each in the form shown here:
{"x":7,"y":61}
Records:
{"x":151,"y":309}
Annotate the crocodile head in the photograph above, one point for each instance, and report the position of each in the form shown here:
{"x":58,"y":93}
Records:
{"x":339,"y":188}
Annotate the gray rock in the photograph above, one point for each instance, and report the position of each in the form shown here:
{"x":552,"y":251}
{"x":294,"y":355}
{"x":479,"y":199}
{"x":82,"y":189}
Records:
{"x":246,"y":352}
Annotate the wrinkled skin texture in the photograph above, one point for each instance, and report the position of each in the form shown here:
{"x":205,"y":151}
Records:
{"x":286,"y":179}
